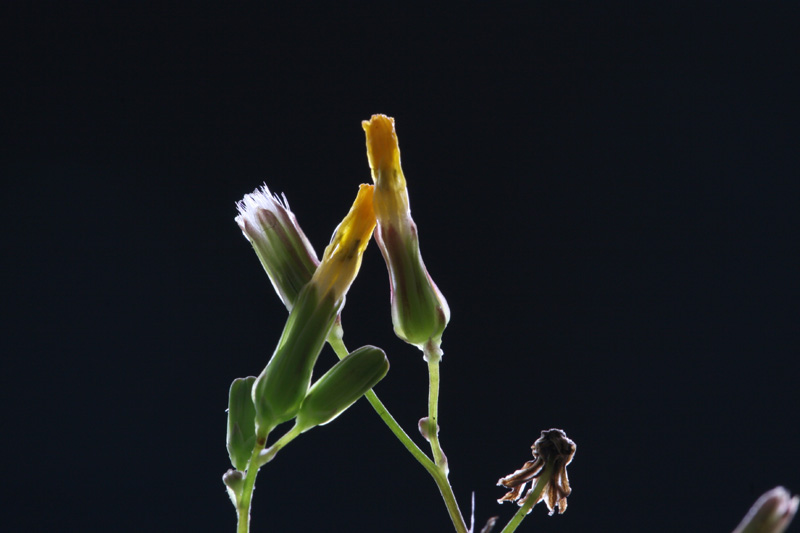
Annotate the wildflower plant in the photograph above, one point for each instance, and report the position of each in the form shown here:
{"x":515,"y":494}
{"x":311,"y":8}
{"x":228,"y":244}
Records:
{"x":314,"y":291}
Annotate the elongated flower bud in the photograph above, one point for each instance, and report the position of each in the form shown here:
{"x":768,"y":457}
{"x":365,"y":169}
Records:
{"x":282,"y":385}
{"x":341,"y":386}
{"x":241,"y":436}
{"x":419,"y":310}
{"x":280,"y":244}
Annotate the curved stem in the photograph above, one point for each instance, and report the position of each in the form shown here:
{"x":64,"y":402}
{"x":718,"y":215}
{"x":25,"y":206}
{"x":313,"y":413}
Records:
{"x":341,"y":351}
{"x":269,"y":454}
{"x":437,"y":471}
{"x":531,"y":500}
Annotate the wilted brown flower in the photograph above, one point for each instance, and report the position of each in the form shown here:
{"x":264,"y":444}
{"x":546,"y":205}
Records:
{"x":554,"y":450}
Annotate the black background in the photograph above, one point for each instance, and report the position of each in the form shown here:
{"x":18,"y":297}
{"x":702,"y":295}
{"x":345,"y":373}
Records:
{"x":606,"y":196}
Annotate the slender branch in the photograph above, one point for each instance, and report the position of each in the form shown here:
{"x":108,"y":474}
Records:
{"x":433,"y":413}
{"x":433,"y":354}
{"x":341,"y":351}
{"x":437,"y":471}
{"x":531,"y":499}
{"x":269,"y":454}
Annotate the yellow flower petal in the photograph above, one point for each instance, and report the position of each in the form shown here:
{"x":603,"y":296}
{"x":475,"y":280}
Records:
{"x":391,"y":196}
{"x":342,"y":257}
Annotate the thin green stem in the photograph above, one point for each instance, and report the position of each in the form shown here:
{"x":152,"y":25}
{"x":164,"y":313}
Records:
{"x":531,"y":500}
{"x":437,"y":471}
{"x":433,"y":413}
{"x":433,"y":355}
{"x":243,"y":506}
{"x":269,"y":454}
{"x":341,"y":351}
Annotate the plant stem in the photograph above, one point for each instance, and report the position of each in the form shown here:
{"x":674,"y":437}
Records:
{"x":341,"y":351}
{"x":531,"y":500}
{"x":437,"y":472}
{"x":259,"y":458}
{"x":243,"y":506}
{"x":270,"y":453}
{"x":433,"y":355}
{"x":433,"y":411}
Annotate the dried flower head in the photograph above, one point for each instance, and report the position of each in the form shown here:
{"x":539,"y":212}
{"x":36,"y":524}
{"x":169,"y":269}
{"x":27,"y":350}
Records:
{"x":552,"y":452}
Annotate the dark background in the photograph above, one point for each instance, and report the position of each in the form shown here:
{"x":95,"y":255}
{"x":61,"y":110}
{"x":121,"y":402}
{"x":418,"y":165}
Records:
{"x":606,"y":196}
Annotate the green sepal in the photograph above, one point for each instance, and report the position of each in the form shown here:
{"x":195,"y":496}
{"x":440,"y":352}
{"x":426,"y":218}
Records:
{"x":280,"y":388}
{"x":241,"y":436}
{"x":341,"y":386}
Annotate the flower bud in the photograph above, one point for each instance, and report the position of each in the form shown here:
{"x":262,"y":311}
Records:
{"x":772,"y":513}
{"x":280,"y":244}
{"x":280,"y":388}
{"x":419,"y":311}
{"x":341,"y":386}
{"x":282,"y":385}
{"x":241,"y":436}
{"x":234,"y":482}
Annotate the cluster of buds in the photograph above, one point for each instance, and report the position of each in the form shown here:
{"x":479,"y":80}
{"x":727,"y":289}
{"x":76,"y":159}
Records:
{"x":281,"y":387}
{"x":314,"y":292}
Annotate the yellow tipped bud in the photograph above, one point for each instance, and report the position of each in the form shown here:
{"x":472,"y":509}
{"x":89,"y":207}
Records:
{"x":419,"y":310}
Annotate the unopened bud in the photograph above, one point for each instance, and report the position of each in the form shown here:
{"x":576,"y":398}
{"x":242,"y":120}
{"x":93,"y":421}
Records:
{"x":347,"y":381}
{"x":280,"y":388}
{"x":241,"y":435}
{"x":234,"y":481}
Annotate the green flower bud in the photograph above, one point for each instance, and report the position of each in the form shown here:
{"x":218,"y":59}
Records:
{"x":234,"y":482}
{"x":341,"y":386}
{"x":283,"y":249}
{"x":280,"y":388}
{"x":241,"y":436}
